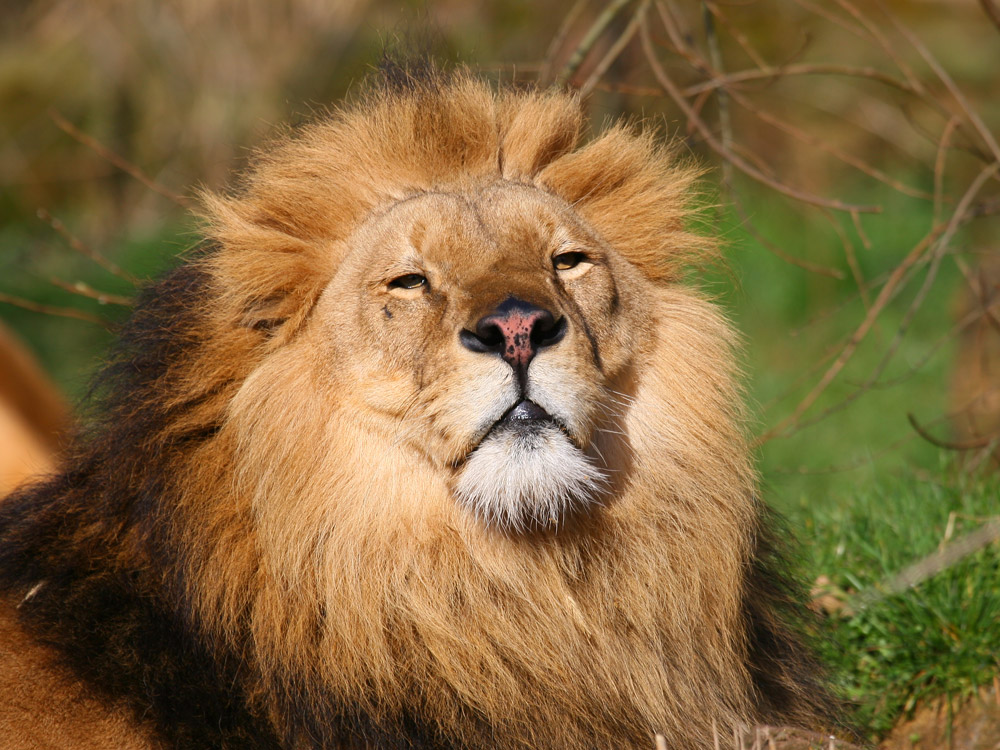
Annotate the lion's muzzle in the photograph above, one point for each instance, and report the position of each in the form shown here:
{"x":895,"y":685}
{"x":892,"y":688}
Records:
{"x":516,"y":331}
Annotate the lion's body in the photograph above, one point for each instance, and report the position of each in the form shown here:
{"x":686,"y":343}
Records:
{"x":309,"y":517}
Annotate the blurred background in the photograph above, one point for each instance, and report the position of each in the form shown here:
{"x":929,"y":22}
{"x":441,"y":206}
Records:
{"x":852,"y":163}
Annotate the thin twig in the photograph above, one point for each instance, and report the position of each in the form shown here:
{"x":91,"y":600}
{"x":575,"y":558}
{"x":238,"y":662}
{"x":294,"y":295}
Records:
{"x":616,"y":49}
{"x":947,"y":338}
{"x":831,"y":17}
{"x":951,"y":445}
{"x":944,"y":143}
{"x":930,"y":566}
{"x":852,"y":258}
{"x":123,"y":164}
{"x":589,"y":40}
{"x":747,"y":223}
{"x":866,"y":461}
{"x":816,"y":142}
{"x":722,"y":95}
{"x":883,"y":42}
{"x":85,"y":250}
{"x":63,"y":312}
{"x":798,"y":69}
{"x":782,"y":428}
{"x":739,"y":36}
{"x":558,"y":40}
{"x":85,"y":290}
{"x":669,"y":17}
{"x":942,"y":74}
{"x":856,"y":219}
{"x":982,"y":293}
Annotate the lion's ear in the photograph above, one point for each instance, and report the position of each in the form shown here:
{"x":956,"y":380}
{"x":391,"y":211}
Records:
{"x":535,"y":130}
{"x":635,"y":193}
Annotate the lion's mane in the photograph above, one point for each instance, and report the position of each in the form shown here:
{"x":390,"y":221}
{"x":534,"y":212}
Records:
{"x":216,"y":555}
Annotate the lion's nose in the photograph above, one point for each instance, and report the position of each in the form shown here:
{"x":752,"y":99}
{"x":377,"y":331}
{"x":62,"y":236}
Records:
{"x":516,"y":330}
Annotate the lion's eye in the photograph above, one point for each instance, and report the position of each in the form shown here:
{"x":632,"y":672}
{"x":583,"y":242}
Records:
{"x":566,"y":261}
{"x":409,"y":281}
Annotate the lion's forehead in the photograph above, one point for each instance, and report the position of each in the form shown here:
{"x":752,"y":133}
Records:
{"x":491,"y":224}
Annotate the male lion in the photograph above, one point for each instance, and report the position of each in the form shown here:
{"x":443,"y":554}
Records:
{"x":431,"y":447}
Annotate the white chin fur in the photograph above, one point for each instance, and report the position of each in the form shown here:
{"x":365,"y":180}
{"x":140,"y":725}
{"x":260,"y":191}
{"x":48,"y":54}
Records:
{"x":524,"y":477}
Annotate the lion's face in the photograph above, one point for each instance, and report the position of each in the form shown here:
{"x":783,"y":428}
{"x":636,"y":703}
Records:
{"x":487,"y":328}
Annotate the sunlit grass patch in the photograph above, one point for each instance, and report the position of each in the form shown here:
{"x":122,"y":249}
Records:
{"x":893,"y":651}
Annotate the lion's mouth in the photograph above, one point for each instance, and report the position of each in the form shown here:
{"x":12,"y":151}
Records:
{"x":524,"y":413}
{"x":526,"y":417}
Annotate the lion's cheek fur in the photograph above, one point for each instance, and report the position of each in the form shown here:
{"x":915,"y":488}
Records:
{"x":387,"y":591}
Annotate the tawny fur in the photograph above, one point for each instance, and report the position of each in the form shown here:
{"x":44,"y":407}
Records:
{"x":308,"y":430}
{"x":33,"y":416}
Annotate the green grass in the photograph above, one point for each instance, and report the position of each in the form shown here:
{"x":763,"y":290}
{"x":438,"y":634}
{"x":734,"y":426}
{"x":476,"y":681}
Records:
{"x":938,"y":639}
{"x":792,"y":318}
{"x":71,"y":350}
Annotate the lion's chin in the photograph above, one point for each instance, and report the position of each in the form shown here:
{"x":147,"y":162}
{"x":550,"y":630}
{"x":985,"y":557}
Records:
{"x":526,"y":475}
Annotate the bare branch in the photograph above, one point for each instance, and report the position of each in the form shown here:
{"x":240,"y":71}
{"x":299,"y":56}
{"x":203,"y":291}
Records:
{"x":822,"y":145}
{"x":941,"y":235}
{"x":856,"y":218}
{"x":883,"y":42}
{"x":63,"y":312}
{"x":590,"y":39}
{"x":931,"y":565}
{"x":992,"y":10}
{"x":558,"y":40}
{"x":852,"y":259}
{"x":669,"y":19}
{"x":981,"y":292}
{"x":722,"y":96}
{"x":798,"y":69}
{"x":85,"y":290}
{"x":942,"y":74}
{"x":960,"y":445}
{"x":936,"y":346}
{"x":123,"y":164}
{"x":664,"y":80}
{"x":832,"y":18}
{"x":834,"y":273}
{"x":616,"y":49}
{"x":739,"y":36}
{"x":85,"y":250}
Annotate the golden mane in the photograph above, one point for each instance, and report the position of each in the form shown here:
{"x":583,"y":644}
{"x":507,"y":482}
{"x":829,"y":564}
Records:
{"x":334,"y":581}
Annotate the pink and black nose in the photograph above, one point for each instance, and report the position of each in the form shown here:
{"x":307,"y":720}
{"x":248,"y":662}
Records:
{"x":516,"y":330}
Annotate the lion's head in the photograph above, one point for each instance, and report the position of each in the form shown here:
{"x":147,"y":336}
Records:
{"x":437,"y":442}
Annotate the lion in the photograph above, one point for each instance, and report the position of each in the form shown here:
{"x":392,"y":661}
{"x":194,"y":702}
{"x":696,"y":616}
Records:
{"x":431,"y":445}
